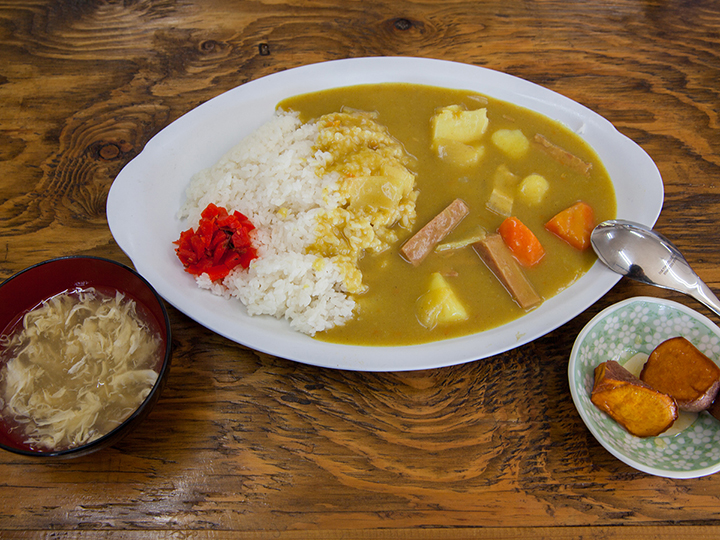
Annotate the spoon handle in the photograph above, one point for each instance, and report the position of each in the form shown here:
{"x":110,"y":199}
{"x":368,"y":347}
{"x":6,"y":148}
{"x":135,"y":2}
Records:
{"x":703,"y":294}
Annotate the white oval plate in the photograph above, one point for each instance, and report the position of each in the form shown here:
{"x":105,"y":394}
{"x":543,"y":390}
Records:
{"x":145,"y":197}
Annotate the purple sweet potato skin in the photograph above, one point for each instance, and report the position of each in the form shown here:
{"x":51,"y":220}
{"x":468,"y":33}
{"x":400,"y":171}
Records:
{"x":714,"y":409}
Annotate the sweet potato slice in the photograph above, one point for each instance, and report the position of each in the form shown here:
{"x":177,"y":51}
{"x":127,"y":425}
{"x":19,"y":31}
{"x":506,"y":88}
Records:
{"x":640,"y":409}
{"x":676,"y":367}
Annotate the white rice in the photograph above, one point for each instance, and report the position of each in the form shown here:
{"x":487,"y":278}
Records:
{"x":270,"y":177}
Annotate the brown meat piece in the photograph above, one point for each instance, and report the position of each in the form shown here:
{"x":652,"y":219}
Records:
{"x":424,"y":241}
{"x":639,"y":408}
{"x":562,"y":156}
{"x":676,"y":367}
{"x":499,"y":259}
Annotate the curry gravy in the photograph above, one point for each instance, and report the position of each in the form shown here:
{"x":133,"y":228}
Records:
{"x":385,"y":313}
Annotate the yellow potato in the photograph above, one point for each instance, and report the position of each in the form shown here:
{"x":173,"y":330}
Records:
{"x":533,"y":188}
{"x":502,"y":196}
{"x":458,"y":153}
{"x":457,"y":124}
{"x":439,"y":305}
{"x":512,"y":142}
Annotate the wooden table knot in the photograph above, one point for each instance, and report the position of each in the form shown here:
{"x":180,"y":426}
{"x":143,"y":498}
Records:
{"x":209,"y":45}
{"x":402,"y":24}
{"x":109,"y":151}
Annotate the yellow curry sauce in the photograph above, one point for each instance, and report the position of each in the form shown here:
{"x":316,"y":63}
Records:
{"x":376,"y":192}
{"x":386,"y":311}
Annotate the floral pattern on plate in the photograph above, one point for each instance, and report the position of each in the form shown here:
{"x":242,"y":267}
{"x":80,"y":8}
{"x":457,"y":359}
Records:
{"x":620,"y":332}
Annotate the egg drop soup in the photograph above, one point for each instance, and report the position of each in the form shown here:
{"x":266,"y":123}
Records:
{"x":75,"y":367}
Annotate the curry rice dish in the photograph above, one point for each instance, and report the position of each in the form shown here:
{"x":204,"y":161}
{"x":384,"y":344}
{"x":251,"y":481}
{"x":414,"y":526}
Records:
{"x":397,"y":214}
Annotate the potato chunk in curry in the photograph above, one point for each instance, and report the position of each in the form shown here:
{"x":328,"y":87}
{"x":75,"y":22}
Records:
{"x":512,"y":142}
{"x":455,"y":124}
{"x":440,"y":304}
{"x":456,"y":132}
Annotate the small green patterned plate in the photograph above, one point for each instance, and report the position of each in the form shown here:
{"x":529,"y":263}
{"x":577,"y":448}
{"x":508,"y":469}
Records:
{"x":620,"y":332}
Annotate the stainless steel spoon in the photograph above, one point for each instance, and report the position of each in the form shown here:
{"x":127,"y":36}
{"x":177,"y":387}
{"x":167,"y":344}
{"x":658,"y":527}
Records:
{"x":638,"y":252}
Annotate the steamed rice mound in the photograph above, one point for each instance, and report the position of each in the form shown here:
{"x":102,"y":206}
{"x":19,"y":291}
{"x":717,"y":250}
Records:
{"x":292,"y":181}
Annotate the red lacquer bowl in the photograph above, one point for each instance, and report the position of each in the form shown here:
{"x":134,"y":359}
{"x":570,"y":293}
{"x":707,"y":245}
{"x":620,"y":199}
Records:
{"x":30,"y":287}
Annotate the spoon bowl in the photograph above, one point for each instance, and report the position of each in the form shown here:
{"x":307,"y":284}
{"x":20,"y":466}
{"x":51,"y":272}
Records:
{"x":636,"y":251}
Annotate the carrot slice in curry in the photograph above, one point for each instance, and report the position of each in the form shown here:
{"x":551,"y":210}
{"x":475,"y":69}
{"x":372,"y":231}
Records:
{"x":523,"y":244}
{"x":574,"y":225}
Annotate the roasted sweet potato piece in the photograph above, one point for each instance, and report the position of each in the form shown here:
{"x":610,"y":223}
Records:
{"x":640,"y":409}
{"x":676,"y":367}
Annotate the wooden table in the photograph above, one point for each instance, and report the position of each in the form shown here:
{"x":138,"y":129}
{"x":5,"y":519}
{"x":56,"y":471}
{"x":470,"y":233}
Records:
{"x":244,"y":445}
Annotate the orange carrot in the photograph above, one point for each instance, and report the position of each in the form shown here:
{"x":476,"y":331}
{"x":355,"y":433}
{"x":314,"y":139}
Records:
{"x":523,"y":244}
{"x":574,"y":225}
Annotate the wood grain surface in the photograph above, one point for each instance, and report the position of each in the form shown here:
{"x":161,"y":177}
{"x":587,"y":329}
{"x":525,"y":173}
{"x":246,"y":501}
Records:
{"x":245,"y":445}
